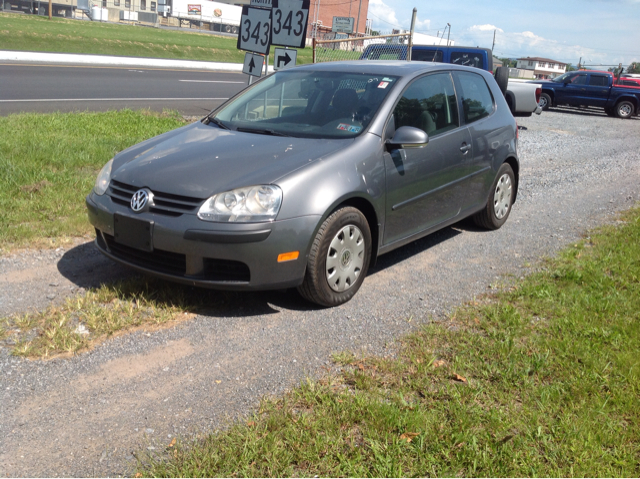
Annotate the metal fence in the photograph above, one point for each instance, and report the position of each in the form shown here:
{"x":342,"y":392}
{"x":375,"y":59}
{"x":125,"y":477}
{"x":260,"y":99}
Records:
{"x":378,"y":47}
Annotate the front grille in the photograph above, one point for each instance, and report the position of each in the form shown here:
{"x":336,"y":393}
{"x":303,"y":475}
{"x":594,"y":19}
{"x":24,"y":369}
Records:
{"x":156,"y":260}
{"x":226,"y":270}
{"x":163,"y":203}
{"x":220,"y":270}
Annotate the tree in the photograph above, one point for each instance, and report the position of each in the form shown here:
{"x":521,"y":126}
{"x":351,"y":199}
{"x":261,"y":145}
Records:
{"x":570,"y":68}
{"x":508,"y":62}
{"x":634,"y":67}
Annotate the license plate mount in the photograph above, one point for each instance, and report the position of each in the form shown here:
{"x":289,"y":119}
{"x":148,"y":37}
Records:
{"x":134,"y":232}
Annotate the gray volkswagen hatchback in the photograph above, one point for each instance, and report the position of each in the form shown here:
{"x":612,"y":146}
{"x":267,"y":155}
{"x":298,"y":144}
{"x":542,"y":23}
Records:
{"x":308,"y":175}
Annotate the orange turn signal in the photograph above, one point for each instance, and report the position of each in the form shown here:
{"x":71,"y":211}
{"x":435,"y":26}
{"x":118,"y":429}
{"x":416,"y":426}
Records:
{"x":290,"y":256}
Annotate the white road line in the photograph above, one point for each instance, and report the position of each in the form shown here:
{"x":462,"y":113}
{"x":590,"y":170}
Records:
{"x":110,"y":99}
{"x":212,"y":81}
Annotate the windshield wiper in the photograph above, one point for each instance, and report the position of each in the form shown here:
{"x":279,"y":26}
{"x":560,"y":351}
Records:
{"x":214,"y":120}
{"x":261,"y":131}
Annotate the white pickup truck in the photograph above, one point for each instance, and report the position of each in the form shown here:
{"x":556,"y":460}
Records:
{"x":523,"y":97}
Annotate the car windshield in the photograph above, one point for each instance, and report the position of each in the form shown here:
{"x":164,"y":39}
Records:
{"x":563,"y":78}
{"x":307,"y":104}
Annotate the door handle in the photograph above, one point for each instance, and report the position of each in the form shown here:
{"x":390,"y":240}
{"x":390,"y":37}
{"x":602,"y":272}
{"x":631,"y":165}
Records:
{"x":465,"y":148}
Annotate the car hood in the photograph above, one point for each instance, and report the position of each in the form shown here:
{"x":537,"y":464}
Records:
{"x":201,"y":160}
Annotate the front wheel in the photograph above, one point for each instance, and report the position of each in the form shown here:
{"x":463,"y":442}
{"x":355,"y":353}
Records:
{"x":339,"y":258}
{"x":498,"y":206}
{"x":545,"y":101}
{"x":624,"y":109}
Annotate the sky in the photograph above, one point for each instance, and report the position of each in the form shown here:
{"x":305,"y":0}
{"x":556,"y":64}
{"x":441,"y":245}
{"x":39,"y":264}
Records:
{"x":601,"y":32}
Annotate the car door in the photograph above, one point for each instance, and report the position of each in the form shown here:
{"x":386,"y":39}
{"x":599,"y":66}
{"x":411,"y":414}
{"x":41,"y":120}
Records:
{"x":596,"y":91}
{"x":423,"y":184}
{"x":571,"y":93}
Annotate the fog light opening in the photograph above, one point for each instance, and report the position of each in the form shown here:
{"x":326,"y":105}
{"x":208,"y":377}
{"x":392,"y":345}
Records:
{"x":290,"y":256}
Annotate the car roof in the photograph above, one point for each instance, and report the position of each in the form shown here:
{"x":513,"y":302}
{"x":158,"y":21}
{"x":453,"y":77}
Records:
{"x":384,"y":67}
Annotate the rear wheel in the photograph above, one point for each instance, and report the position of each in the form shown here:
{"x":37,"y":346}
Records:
{"x":498,"y":207}
{"x":339,"y":258}
{"x":624,"y":109}
{"x":545,"y":101}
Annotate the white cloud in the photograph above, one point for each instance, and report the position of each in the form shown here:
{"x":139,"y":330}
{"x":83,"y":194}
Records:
{"x":383,"y":16}
{"x":523,"y":44}
{"x":485,"y":28}
{"x":423,"y":24}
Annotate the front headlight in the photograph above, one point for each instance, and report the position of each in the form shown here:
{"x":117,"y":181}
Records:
{"x":104,"y":177}
{"x":243,"y":205}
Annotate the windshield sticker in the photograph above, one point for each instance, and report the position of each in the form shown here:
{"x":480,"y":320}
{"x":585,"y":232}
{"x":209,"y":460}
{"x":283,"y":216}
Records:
{"x":349,"y":128}
{"x":387,"y":79}
{"x":383,"y":84}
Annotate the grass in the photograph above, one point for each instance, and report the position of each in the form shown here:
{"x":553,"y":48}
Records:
{"x":49,"y":162}
{"x":540,"y":380}
{"x":86,"y":320}
{"x":36,"y":33}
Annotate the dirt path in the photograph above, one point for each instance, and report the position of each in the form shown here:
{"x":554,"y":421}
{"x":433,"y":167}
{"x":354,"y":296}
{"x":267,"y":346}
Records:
{"x":86,"y":415}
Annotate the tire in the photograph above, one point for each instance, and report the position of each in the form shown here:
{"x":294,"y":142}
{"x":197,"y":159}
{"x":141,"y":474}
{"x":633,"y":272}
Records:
{"x":339,"y":259}
{"x":500,"y":201}
{"x":545,"y":101}
{"x":624,"y":109}
{"x":502,"y":78}
{"x":234,"y":30}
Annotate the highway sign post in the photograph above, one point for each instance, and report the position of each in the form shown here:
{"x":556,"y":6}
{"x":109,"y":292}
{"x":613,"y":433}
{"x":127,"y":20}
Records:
{"x":255,"y":30}
{"x":253,"y":64}
{"x":289,"y":19}
{"x":283,"y":58}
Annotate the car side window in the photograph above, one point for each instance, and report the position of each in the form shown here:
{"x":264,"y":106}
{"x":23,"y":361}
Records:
{"x":427,"y":56}
{"x":579,"y":80}
{"x":428,"y":104}
{"x":467,"y":59}
{"x":599,"y":80}
{"x":477,"y":101}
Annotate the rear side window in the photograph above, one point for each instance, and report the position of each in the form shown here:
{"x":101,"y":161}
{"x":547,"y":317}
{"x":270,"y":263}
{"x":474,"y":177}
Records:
{"x":579,"y":80}
{"x":477,"y":101}
{"x":427,"y":55}
{"x":429,"y":104}
{"x":598,"y":80}
{"x":467,"y":59}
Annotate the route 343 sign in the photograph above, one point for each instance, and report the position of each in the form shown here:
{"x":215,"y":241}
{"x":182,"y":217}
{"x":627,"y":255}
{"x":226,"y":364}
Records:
{"x":255,"y":30}
{"x":289,"y":18}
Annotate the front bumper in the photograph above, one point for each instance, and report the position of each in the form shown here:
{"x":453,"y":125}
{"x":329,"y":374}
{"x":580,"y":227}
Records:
{"x":241,"y":256}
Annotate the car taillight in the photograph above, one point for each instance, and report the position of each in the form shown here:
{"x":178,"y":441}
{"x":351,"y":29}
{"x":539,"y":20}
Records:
{"x":538,"y":92}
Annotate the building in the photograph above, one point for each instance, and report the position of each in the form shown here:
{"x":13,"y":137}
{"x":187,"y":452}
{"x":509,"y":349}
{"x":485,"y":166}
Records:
{"x":321,"y":16}
{"x":543,"y":68}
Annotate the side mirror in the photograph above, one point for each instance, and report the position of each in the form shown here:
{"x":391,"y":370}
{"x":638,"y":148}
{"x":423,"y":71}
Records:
{"x":408,"y":137}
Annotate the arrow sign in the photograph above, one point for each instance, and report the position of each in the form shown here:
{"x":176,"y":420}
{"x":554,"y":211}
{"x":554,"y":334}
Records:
{"x":253,"y":64}
{"x":284,"y":58}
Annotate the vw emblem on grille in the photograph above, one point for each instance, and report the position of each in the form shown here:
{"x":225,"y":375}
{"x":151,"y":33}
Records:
{"x":140,"y":200}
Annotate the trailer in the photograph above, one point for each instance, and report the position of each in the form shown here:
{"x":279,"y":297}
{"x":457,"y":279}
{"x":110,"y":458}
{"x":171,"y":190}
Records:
{"x":221,"y":17}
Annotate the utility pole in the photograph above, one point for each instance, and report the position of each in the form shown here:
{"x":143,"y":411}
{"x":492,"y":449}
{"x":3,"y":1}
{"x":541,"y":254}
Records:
{"x":449,"y":33}
{"x":413,"y":27}
{"x":50,"y":8}
{"x":358,"y":22}
{"x":494,"y":41}
{"x":579,"y":63}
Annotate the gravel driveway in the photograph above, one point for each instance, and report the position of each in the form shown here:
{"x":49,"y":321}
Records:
{"x":85,"y":416}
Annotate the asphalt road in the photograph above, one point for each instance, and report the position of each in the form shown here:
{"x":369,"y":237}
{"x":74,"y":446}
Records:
{"x":88,"y":415}
{"x":49,"y":88}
